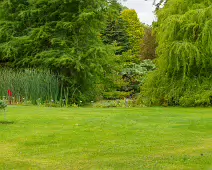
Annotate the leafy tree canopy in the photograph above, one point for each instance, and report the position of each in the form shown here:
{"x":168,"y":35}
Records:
{"x":184,"y":36}
{"x":135,"y":30}
{"x":63,"y":35}
{"x":148,"y":47}
{"x":126,"y":32}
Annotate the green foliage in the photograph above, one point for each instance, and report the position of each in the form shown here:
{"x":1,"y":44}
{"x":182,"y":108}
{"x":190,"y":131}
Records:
{"x":134,"y":29}
{"x":107,"y":104}
{"x":116,"y":34}
{"x":63,"y":36}
{"x":200,"y":98}
{"x":116,"y":30}
{"x":3,"y":105}
{"x":125,"y":32}
{"x":116,"y":95}
{"x":185,"y":55}
{"x":136,"y":74}
{"x":148,"y":47}
{"x":36,"y":86}
{"x":114,"y":103}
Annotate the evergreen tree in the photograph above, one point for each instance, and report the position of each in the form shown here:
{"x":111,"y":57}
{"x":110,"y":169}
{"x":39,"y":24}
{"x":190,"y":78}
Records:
{"x":116,"y":30}
{"x":62,"y":35}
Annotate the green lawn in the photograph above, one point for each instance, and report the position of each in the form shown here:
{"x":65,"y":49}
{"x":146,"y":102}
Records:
{"x":108,"y":139}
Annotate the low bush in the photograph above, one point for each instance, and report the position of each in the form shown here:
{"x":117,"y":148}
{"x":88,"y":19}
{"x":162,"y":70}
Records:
{"x":3,"y":105}
{"x":200,"y":98}
{"x":114,"y":103}
{"x":116,"y":95}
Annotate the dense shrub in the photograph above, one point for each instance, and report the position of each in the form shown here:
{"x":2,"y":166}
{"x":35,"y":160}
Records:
{"x":3,"y":105}
{"x":116,"y":95}
{"x":114,"y":103}
{"x":200,"y":98}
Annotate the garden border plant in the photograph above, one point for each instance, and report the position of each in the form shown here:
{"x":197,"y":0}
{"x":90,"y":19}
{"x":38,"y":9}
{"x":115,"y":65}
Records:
{"x":3,"y":106}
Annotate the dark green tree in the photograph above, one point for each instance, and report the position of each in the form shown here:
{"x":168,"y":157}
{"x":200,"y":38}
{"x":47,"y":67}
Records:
{"x":116,"y":30}
{"x":62,"y":35}
{"x":126,"y":32}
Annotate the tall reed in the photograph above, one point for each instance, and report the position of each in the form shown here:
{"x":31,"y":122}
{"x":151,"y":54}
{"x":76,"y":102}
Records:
{"x":36,"y":86}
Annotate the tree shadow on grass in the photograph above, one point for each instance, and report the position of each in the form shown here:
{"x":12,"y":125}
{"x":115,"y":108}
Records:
{"x":4,"y":122}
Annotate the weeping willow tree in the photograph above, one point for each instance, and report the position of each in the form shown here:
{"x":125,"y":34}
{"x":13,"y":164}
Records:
{"x":184,"y":36}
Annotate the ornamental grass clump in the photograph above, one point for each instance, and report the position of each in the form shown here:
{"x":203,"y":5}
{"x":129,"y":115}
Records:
{"x":29,"y":85}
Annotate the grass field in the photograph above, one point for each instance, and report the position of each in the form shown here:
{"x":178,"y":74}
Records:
{"x":106,"y":139}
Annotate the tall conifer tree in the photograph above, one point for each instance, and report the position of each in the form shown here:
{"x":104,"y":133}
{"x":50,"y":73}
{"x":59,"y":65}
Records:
{"x":63,"y":35}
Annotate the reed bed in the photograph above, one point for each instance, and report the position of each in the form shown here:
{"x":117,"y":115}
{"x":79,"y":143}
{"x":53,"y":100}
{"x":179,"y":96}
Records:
{"x":30,"y":86}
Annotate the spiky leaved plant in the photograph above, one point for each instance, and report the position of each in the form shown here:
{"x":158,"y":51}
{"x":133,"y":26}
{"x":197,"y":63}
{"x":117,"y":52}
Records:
{"x":29,"y":85}
{"x":3,"y":106}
